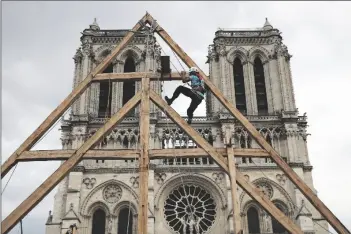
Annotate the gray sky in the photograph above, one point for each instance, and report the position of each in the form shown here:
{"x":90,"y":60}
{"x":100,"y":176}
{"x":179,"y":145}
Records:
{"x":40,"y":39}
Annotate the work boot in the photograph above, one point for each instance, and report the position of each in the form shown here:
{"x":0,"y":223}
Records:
{"x":189,"y":121}
{"x":169,"y":101}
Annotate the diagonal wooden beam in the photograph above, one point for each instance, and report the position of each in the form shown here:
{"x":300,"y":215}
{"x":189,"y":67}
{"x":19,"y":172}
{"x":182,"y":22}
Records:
{"x":58,"y":112}
{"x":144,"y":157}
{"x":28,"y":204}
{"x":303,"y":187}
{"x":220,"y":160}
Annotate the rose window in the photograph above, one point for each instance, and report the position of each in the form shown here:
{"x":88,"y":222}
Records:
{"x":112,"y":193}
{"x":190,"y":209}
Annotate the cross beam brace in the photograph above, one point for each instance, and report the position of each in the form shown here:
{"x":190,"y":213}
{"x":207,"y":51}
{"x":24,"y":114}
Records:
{"x":136,"y":76}
{"x":57,"y":155}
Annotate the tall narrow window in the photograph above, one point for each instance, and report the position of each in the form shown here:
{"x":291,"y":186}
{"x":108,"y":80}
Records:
{"x":128,"y":86}
{"x":253,"y":220}
{"x":277,"y":227}
{"x":125,"y":221}
{"x":240,"y":98}
{"x":261,"y":95}
{"x":105,"y":97}
{"x":99,"y":221}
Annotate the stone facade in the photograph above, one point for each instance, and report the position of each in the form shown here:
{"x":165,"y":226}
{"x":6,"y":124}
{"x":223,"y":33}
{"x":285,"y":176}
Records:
{"x":186,"y":186}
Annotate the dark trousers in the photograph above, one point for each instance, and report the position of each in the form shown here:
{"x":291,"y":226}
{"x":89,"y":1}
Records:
{"x":195,"y":99}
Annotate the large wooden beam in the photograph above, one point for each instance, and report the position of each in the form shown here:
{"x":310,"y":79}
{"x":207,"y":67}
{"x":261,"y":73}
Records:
{"x":123,"y":154}
{"x":59,"y":155}
{"x":236,"y":209}
{"x":221,"y":161}
{"x":58,"y":112}
{"x":27,"y":205}
{"x":317,"y":203}
{"x":136,"y":76}
{"x":144,"y":157}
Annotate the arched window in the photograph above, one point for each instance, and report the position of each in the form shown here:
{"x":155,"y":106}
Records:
{"x":128,"y":86}
{"x":239,"y":86}
{"x":125,"y":224}
{"x":99,"y":221}
{"x":277,"y":227}
{"x":105,"y":96}
{"x":253,"y":220}
{"x":261,"y":95}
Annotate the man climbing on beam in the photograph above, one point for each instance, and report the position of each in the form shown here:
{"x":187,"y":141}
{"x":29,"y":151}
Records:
{"x":196,"y":93}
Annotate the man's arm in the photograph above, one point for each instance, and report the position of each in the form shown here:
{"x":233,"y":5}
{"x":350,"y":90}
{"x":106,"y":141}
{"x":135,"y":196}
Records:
{"x":184,"y":77}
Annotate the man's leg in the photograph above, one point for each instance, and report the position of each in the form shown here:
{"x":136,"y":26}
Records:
{"x":195,"y":102}
{"x":179,"y":90}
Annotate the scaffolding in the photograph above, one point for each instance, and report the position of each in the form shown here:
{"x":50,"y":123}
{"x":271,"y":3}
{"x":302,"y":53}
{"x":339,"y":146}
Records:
{"x":224,"y":157}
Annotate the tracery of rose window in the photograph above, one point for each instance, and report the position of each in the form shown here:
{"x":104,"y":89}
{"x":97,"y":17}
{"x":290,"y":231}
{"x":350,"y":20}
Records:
{"x":190,"y":209}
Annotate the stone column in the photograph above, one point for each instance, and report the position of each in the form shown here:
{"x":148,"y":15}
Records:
{"x":291,"y":138}
{"x":77,"y":77}
{"x":214,"y":73}
{"x":250,"y":88}
{"x":283,"y":57}
{"x":86,"y":67}
{"x":223,"y":75}
{"x":268,"y":84}
{"x":276,"y":87}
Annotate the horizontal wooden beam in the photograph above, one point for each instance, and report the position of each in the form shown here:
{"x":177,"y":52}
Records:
{"x":54,"y":155}
{"x":136,"y":76}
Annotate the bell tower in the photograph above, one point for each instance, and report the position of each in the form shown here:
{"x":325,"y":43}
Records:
{"x":252,"y":69}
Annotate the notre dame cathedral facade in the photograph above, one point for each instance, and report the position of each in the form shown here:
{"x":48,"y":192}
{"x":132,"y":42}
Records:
{"x":252,"y":69}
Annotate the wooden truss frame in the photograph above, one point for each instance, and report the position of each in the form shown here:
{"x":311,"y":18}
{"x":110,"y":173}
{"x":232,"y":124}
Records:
{"x":223,"y":157}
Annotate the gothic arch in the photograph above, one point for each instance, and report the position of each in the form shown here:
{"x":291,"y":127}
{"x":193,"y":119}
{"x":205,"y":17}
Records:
{"x":237,"y":52}
{"x":130,"y":51}
{"x":124,"y":204}
{"x":250,"y":204}
{"x":102,"y":52}
{"x":284,"y":206}
{"x":258,"y":51}
{"x":199,"y":179}
{"x":288,"y":203}
{"x":84,"y":208}
{"x":98,"y":205}
{"x":253,"y":205}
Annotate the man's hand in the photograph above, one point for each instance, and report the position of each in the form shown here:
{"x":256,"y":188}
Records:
{"x":184,"y":77}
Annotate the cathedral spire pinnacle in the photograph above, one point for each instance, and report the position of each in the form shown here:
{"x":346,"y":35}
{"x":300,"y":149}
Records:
{"x":267,"y":25}
{"x":94,"y":25}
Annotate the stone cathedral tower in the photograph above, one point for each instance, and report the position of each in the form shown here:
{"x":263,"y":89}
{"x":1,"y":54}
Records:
{"x":252,"y":69}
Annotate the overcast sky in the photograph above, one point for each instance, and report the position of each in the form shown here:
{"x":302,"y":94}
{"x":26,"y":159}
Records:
{"x":39,"y":40}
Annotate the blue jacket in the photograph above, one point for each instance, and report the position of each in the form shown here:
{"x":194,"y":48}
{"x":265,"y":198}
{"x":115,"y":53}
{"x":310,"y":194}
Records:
{"x":195,"y":82}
